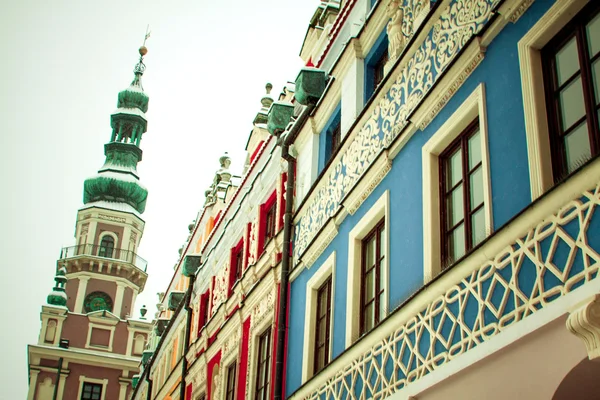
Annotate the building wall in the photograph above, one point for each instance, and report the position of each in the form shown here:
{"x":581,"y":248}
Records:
{"x":499,"y":73}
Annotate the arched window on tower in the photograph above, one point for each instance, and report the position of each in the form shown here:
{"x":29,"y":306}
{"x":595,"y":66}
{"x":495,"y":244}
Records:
{"x":50,"y":331}
{"x":138,"y":344}
{"x":107,"y":245}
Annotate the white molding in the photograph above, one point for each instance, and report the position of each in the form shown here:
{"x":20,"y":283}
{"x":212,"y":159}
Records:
{"x":326,"y":270}
{"x":473,"y":107}
{"x":449,"y":85}
{"x":83,"y":379}
{"x":322,"y":240}
{"x":378,"y":170}
{"x":111,"y":329}
{"x":532,"y":83}
{"x":378,"y":211}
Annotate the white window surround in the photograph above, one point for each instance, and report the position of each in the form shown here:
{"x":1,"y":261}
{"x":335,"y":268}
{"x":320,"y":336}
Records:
{"x":111,"y":329}
{"x":379,"y":211}
{"x":473,"y":107}
{"x":256,"y":332}
{"x":326,"y":270}
{"x":532,"y":83}
{"x":112,"y":235}
{"x":83,"y":379}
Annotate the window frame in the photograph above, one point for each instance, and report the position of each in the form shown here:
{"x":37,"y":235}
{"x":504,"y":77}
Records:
{"x":83,"y":380}
{"x":230,"y":382}
{"x":462,"y":143}
{"x":575,"y":28}
{"x":472,"y":107}
{"x":375,"y":60}
{"x":378,"y":211}
{"x":532,"y":84}
{"x":263,"y":363}
{"x":324,"y":290}
{"x":374,"y":234}
{"x":103,"y":251}
{"x":93,"y":386}
{"x":325,"y":272}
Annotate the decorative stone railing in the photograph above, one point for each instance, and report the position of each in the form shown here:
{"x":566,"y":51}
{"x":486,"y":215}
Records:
{"x":102,"y":252}
{"x":548,"y":251}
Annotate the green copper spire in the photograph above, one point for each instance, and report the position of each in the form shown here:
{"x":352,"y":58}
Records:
{"x":117,"y":181}
{"x":57,"y":296}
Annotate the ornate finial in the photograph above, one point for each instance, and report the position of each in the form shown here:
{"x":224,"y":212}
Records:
{"x":143,"y":312}
{"x":140,"y":67}
{"x":225,"y":161}
{"x":269,"y":87}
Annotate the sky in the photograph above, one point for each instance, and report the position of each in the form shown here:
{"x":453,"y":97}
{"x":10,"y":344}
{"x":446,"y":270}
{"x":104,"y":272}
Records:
{"x":62,"y":64}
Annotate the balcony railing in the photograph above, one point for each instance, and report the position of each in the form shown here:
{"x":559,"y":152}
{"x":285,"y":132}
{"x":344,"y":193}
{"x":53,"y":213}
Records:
{"x":545,"y":253}
{"x":104,"y":252}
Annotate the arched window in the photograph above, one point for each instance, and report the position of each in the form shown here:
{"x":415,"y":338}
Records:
{"x":50,"y":331}
{"x":107,"y":245}
{"x":138,"y":344}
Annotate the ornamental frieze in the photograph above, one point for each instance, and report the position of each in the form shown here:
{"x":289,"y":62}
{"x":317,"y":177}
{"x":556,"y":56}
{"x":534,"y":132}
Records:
{"x":111,"y":218}
{"x":458,"y":23}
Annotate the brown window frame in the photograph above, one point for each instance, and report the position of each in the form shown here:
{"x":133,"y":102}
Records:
{"x":230,"y":387}
{"x":377,"y":234}
{"x":92,"y":386}
{"x":575,"y":28}
{"x":323,"y":295}
{"x":462,"y":143}
{"x":379,"y":69}
{"x":270,"y":222}
{"x":261,"y":389}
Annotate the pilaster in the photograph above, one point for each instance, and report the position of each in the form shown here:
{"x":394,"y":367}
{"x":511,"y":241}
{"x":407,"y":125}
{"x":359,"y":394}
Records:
{"x":119,"y":299}
{"x":33,"y":375}
{"x":81,"y":289}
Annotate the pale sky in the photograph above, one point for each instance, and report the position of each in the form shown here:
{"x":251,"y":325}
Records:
{"x":62,"y":64}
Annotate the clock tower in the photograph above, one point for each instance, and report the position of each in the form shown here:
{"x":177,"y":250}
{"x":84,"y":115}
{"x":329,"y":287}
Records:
{"x":90,"y":346}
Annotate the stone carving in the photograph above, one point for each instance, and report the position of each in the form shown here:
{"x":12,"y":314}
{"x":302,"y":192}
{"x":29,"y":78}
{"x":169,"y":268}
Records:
{"x":459,"y":22}
{"x":111,"y":218}
{"x":397,"y":40}
{"x":545,"y":263}
{"x":585,"y":324}
{"x":252,"y":248}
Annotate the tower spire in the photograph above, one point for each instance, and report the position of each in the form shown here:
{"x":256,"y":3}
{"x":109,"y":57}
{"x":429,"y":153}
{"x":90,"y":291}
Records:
{"x":117,"y":183}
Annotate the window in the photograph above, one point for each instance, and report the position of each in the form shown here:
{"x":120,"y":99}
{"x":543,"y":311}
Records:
{"x":236,"y":261}
{"x":270,"y":223}
{"x":541,"y":169}
{"x":319,"y":316}
{"x":91,"y":391}
{"x":262,"y":366}
{"x":203,"y":310}
{"x":331,"y":137}
{"x":375,"y":63}
{"x":378,"y":69}
{"x":372,"y":288}
{"x":368,"y":270}
{"x":230,"y":389}
{"x":571,"y":67}
{"x":461,"y":195}
{"x":457,"y":212}
{"x":107,"y":245}
{"x":322,"y":326}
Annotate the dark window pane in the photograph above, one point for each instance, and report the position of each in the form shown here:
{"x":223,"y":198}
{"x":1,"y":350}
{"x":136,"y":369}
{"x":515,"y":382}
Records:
{"x":478,"y":226}
{"x":474,"y":150}
{"x":596,"y":77}
{"x":593,"y":35}
{"x":567,"y":61}
{"x":454,"y":169}
{"x":476,"y":188}
{"x":577,"y":147}
{"x":571,"y":103}
{"x":455,"y":206}
{"x":457,"y":242}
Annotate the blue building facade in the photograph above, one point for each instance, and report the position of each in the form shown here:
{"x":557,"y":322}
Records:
{"x":450,"y":232}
